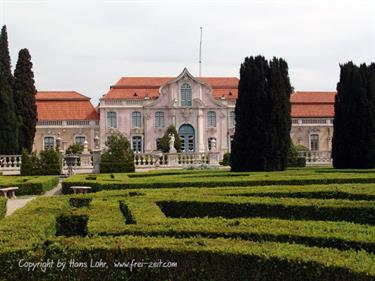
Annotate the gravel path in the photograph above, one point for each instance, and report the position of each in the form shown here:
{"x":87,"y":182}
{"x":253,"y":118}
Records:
{"x":15,"y":204}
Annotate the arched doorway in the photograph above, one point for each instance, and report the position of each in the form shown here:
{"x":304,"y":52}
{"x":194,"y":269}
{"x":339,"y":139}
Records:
{"x":187,"y":135}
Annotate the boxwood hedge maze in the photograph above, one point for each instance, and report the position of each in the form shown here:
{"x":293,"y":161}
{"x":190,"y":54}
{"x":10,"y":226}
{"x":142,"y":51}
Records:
{"x":309,"y":231}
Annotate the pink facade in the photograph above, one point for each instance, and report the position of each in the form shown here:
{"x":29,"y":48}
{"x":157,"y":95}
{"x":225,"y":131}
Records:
{"x":186,"y":102}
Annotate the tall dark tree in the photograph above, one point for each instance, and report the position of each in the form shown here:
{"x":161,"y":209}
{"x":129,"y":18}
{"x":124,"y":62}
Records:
{"x":24,"y":98}
{"x":262,"y":137}
{"x":8,"y":118}
{"x":353,"y":144}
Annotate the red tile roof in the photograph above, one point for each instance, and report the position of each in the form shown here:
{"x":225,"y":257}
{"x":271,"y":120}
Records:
{"x":141,"y":87}
{"x":313,"y":104}
{"x":313,"y":97}
{"x":59,"y":105}
{"x":60,"y":95}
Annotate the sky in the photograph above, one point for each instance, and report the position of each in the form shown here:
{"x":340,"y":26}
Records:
{"x":87,"y":46}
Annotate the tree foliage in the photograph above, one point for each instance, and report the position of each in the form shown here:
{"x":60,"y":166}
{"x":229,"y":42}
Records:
{"x":262,"y":137}
{"x":8,"y":120}
{"x":118,"y":157}
{"x":353,"y":144}
{"x":24,"y":98}
{"x":164,"y":141}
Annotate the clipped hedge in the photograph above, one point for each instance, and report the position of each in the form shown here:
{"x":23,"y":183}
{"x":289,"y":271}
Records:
{"x":129,"y":219}
{"x":189,"y":259}
{"x":30,"y":185}
{"x":191,"y":209}
{"x":79,"y":202}
{"x":3,"y":207}
{"x":71,"y":224}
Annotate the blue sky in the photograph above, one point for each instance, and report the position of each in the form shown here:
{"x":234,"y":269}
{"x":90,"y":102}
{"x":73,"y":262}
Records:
{"x":88,"y":45}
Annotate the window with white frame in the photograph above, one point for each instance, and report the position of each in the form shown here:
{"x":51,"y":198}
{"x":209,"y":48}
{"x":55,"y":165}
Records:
{"x":136,"y":119}
{"x":186,"y":95}
{"x":314,"y":142}
{"x":159,"y":119}
{"x":232,"y":119}
{"x":49,"y":143}
{"x":112,"y":119}
{"x":211,"y":119}
{"x":80,"y":139}
{"x":137,"y":143}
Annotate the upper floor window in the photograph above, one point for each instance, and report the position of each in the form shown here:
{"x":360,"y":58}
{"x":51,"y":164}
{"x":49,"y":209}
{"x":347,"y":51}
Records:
{"x":314,"y":142}
{"x":49,"y":143}
{"x":159,"y":119}
{"x":186,"y":95}
{"x":211,"y":119}
{"x":136,"y":119}
{"x":112,"y":119}
{"x":80,"y":139}
{"x":232,"y":119}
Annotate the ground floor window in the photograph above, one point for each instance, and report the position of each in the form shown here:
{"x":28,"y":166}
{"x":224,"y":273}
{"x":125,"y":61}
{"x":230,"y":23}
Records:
{"x":137,"y":143}
{"x":158,"y":144}
{"x":231,"y":142}
{"x":49,"y":143}
{"x":314,"y":142}
{"x":80,"y":139}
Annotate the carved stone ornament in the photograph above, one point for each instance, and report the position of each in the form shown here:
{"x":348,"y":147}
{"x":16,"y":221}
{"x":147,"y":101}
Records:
{"x":148,"y":115}
{"x":186,"y":112}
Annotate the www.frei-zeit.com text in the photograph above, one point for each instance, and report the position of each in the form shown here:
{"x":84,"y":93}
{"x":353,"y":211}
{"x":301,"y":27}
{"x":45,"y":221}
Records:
{"x":100,"y":264}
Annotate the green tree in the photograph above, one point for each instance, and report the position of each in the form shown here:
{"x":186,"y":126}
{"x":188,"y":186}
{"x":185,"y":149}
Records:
{"x":76,"y":148}
{"x":262,"y":136}
{"x":353,"y":143}
{"x":164,"y":141}
{"x":118,"y":157}
{"x":9,"y":124}
{"x":24,"y":98}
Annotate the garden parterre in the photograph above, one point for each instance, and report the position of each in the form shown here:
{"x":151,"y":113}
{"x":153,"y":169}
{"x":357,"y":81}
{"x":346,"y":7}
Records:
{"x":29,"y":185}
{"x":277,"y":232}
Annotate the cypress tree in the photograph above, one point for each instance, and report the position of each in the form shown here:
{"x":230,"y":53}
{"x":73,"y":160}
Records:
{"x":353,"y":143}
{"x":262,"y":140}
{"x":24,"y":97}
{"x":9,"y":122}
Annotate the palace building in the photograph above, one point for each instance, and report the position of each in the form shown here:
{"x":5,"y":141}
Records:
{"x":202,"y":110}
{"x":65,"y":118}
{"x":141,"y":108}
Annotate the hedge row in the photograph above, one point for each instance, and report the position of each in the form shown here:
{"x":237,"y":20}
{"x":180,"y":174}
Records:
{"x":190,"y":259}
{"x":191,"y":209}
{"x":102,"y":185}
{"x":3,"y":207}
{"x":31,"y":185}
{"x":311,"y":195}
{"x":151,"y":221}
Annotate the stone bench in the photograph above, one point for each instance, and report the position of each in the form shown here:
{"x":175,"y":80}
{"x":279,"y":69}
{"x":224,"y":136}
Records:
{"x":80,"y":189}
{"x":9,"y":192}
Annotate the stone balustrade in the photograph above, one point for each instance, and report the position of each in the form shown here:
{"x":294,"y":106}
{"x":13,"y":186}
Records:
{"x":316,"y":157}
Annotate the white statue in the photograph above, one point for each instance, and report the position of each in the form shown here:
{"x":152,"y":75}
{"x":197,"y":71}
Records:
{"x":213,"y":144}
{"x":171,"y":143}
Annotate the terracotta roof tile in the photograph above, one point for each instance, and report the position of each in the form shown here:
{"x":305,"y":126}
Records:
{"x":64,"y":106}
{"x":313,"y":97}
{"x":140,"y":87}
{"x":60,"y":95}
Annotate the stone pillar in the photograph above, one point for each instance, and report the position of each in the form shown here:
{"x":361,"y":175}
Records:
{"x":96,"y":153}
{"x":200,"y":130}
{"x":172,"y":159}
{"x":85,"y":156}
{"x":213,"y":158}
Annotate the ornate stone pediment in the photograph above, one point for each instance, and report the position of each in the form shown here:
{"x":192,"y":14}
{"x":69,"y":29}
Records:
{"x":136,"y":130}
